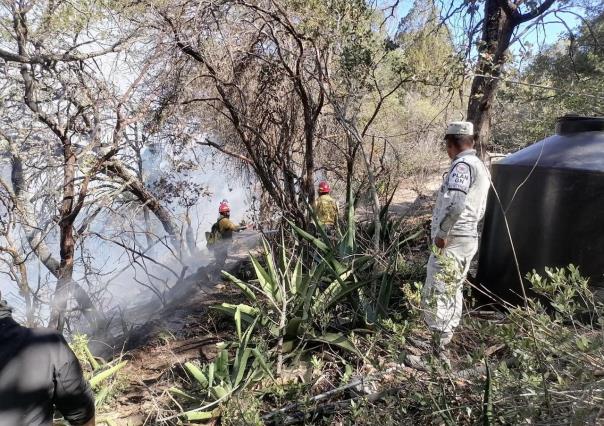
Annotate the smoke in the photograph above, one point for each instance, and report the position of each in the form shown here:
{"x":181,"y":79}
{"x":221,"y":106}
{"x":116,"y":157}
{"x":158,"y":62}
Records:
{"x":127,"y":283}
{"x":138,"y":288}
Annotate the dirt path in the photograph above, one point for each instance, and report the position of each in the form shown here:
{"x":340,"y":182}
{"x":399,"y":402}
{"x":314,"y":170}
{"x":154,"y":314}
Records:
{"x":410,"y":194}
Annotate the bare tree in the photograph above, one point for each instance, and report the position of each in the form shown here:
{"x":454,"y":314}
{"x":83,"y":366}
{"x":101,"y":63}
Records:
{"x":257,"y":72}
{"x":83,"y":118}
{"x":15,"y":260}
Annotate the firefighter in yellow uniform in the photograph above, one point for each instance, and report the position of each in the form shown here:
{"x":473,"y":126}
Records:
{"x":221,"y":235}
{"x":326,"y":209}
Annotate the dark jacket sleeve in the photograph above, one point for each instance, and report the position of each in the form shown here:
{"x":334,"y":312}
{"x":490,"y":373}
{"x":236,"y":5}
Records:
{"x":73,"y":396}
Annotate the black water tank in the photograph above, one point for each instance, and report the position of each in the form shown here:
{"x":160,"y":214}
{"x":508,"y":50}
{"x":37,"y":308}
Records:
{"x":553,"y":196}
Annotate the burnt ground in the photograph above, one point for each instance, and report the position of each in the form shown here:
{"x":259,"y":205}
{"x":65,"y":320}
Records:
{"x":157,"y":338}
{"x":183,"y":332}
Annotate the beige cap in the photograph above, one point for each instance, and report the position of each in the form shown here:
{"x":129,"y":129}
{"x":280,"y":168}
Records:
{"x":460,"y":128}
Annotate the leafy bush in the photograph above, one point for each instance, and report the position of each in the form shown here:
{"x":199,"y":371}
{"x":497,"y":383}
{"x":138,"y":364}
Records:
{"x":543,"y":363}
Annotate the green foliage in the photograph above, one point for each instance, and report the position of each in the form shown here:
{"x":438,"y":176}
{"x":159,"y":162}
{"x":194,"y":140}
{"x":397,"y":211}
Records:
{"x":102,"y":376}
{"x":550,"y":354}
{"x":375,"y":275}
{"x":565,"y":289}
{"x":574,"y":70}
{"x":294,"y":303}
{"x":304,"y":296}
{"x":79,"y":346}
{"x":426,"y":48}
{"x":243,"y":409}
{"x":215,"y":382}
{"x":533,"y":366}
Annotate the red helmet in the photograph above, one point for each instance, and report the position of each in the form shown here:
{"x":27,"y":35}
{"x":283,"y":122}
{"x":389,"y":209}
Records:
{"x":224,"y":207}
{"x":324,"y":188}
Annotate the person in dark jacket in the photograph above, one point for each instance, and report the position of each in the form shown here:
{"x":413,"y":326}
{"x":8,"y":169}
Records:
{"x":39,"y":373}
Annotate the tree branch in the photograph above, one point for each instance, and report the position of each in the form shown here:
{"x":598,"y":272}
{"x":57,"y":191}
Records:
{"x":536,"y":12}
{"x":240,"y":157}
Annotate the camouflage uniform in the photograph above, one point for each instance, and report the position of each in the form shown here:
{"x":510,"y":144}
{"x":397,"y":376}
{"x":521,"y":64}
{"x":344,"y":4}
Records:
{"x":459,"y":207}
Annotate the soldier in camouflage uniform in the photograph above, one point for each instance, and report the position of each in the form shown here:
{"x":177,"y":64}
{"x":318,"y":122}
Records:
{"x":460,"y":206}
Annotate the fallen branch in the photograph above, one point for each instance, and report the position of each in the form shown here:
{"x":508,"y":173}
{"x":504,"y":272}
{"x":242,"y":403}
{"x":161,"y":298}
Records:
{"x":361,"y":381}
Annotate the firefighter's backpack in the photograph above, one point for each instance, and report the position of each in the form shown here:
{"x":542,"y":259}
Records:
{"x":214,"y":235}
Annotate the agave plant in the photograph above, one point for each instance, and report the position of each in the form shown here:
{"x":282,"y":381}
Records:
{"x":219,"y":379}
{"x":378,"y":271}
{"x":289,"y":300}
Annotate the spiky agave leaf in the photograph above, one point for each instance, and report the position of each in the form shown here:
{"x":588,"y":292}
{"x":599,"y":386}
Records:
{"x":259,"y":358}
{"x":267,"y":283}
{"x":247,"y":291}
{"x":197,"y":374}
{"x":211,"y":370}
{"x":240,"y":366}
{"x":320,"y":303}
{"x":342,"y":292}
{"x":316,"y":242}
{"x":91,"y":358}
{"x":222,"y":365}
{"x":309,"y":286}
{"x":339,"y":340}
{"x":296,"y":278}
{"x":487,"y":401}
{"x":237,"y":318}
{"x":273,"y":273}
{"x":241,"y":357}
{"x":176,"y":391}
{"x":98,"y":378}
{"x":383,"y":298}
{"x":193,"y":416}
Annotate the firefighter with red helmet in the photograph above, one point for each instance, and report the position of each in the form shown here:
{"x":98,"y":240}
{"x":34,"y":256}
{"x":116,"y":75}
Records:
{"x":326,"y":208}
{"x":221,"y":235}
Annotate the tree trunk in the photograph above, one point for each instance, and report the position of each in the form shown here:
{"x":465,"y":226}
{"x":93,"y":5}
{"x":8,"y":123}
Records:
{"x":25,"y":292}
{"x":139,"y":163}
{"x":35,"y":238}
{"x":497,"y":33}
{"x":190,"y":235}
{"x":349,"y":179}
{"x":501,"y":17}
{"x":67,"y":240}
{"x":309,"y":181}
